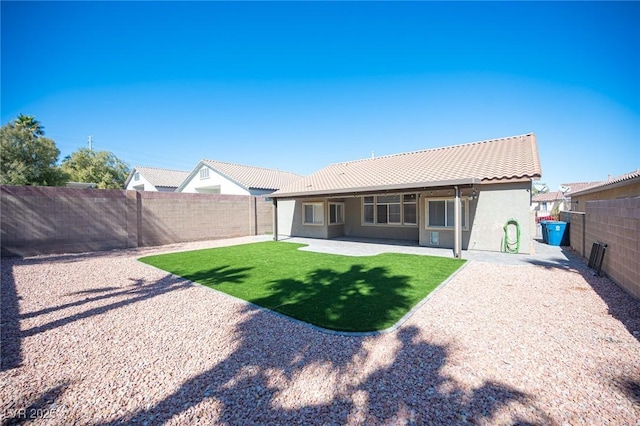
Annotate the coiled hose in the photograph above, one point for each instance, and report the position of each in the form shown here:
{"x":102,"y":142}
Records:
{"x":510,"y":246}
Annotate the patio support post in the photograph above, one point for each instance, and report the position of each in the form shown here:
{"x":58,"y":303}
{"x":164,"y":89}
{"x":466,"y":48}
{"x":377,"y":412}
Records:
{"x":457,"y":225}
{"x":275,"y":219}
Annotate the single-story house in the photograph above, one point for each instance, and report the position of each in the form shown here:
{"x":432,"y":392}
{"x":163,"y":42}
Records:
{"x":217,"y":177}
{"x":544,"y":204}
{"x":461,"y":197}
{"x":154,"y":179}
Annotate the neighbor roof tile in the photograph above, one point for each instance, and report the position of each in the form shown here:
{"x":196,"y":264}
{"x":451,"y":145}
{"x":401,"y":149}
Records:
{"x":254,"y":177}
{"x":165,"y":178}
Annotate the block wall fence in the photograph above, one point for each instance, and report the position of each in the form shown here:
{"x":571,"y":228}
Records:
{"x":616,"y":223}
{"x":47,"y":220}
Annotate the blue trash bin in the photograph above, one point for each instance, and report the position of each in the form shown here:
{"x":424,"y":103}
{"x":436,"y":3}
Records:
{"x":556,"y":231}
{"x":543,"y":226}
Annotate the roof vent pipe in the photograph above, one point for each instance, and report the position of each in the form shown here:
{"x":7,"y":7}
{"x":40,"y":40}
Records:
{"x":373,"y":154}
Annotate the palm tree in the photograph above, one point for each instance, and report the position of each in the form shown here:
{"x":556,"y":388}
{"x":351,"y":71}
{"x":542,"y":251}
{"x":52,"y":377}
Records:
{"x":30,"y":123}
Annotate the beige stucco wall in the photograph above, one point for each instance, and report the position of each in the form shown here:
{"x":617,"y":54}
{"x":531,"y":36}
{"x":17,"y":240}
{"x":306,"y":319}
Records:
{"x":354,"y":227}
{"x":496,"y":204}
{"x":297,"y":228}
{"x":487,"y":214}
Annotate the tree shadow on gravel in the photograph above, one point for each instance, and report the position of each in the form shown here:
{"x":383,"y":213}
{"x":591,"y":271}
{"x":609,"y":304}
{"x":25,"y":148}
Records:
{"x":266,"y":381}
{"x":137,"y":292}
{"x":631,"y":388}
{"x":42,"y":408}
{"x":10,"y":338}
{"x":12,"y":335}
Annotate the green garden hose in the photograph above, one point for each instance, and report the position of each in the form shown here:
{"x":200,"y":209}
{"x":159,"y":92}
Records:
{"x":508,"y":245}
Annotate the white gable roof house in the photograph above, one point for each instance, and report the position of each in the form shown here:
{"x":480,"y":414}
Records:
{"x":217,"y":177}
{"x":154,"y":179}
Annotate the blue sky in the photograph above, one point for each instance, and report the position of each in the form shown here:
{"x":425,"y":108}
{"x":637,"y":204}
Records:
{"x":298,"y":85}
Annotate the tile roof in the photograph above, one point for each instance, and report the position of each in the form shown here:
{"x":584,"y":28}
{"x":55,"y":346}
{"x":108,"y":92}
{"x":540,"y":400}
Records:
{"x":547,"y":197}
{"x":165,"y":178}
{"x":578,"y":186}
{"x":497,"y":160}
{"x":557,"y":195}
{"x":253,"y":177}
{"x":619,"y":180}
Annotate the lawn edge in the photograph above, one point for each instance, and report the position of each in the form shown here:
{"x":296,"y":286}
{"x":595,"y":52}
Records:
{"x":314,"y":327}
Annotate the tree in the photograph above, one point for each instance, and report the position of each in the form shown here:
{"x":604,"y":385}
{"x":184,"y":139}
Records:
{"x":100,"y":167}
{"x":26,"y":157}
{"x":29,"y":123}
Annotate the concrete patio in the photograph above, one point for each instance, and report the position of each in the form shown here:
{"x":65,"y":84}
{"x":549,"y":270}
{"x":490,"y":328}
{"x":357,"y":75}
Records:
{"x":544,"y":254}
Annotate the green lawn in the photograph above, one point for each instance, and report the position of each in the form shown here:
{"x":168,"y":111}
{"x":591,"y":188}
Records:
{"x":336,"y":292}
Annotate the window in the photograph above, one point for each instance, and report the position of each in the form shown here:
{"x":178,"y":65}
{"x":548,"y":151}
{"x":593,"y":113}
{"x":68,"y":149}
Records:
{"x":136,"y":176}
{"x":336,"y":213}
{"x":391,"y":209}
{"x":410,"y":205}
{"x":313,"y":213}
{"x":388,"y":209}
{"x":440,"y":213}
{"x":204,"y":173}
{"x":368,"y":209}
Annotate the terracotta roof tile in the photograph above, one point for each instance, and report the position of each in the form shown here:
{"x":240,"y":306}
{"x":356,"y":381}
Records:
{"x":547,"y":197}
{"x":578,"y":186}
{"x":557,"y":195}
{"x":511,"y":158}
{"x":254,"y":177}
{"x":631,"y":176}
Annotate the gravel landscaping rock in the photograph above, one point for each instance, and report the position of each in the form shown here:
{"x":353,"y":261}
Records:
{"x":103,"y":339}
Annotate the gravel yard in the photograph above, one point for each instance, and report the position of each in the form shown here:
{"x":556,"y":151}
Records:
{"x":103,"y":339}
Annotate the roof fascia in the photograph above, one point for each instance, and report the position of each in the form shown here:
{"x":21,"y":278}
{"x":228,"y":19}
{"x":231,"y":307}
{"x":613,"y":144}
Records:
{"x":126,"y":182}
{"x":380,"y":188}
{"x":606,"y":186}
{"x":191,"y":175}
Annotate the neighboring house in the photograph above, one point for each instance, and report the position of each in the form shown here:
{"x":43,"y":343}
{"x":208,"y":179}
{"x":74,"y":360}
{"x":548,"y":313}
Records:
{"x":413,"y":196}
{"x":154,"y":179}
{"x":625,"y":186}
{"x":217,"y":177}
{"x":545,"y":204}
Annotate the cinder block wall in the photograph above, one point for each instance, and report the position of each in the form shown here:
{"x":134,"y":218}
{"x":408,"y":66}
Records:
{"x":616,"y":223}
{"x":577,"y":232}
{"x":173,"y":217}
{"x":44,"y":220}
{"x":39,"y":220}
{"x":264,"y":215}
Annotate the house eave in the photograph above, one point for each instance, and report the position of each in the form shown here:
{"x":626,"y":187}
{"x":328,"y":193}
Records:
{"x":606,"y":186}
{"x":416,"y":186}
